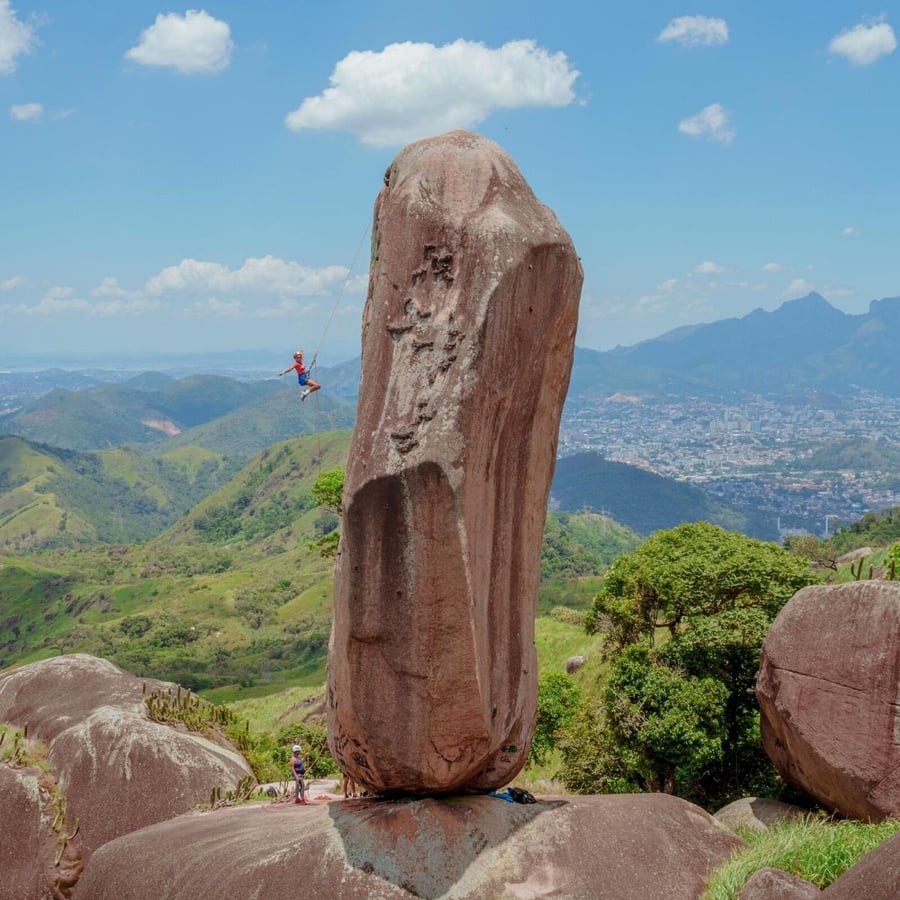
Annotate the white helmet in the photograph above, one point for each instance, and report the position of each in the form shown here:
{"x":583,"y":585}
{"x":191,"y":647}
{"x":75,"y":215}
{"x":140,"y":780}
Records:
{"x":296,"y":748}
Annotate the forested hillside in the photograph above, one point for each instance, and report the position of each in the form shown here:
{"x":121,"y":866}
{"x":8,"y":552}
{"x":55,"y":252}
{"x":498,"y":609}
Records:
{"x":62,"y":498}
{"x":644,"y":501}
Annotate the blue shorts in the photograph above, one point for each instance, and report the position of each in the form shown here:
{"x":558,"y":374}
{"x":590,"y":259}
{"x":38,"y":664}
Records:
{"x":303,"y":378}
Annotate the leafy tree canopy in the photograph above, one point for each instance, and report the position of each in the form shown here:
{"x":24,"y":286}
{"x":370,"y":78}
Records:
{"x":696,"y":569}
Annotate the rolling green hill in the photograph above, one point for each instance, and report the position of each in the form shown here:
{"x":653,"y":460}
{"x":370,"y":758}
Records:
{"x":61,"y":498}
{"x":232,"y":594}
{"x":860,"y":454}
{"x":139,"y":412}
{"x":252,"y":428}
{"x":644,"y":501}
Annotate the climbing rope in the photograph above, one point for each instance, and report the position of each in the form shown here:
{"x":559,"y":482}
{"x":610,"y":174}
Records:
{"x":339,"y":296}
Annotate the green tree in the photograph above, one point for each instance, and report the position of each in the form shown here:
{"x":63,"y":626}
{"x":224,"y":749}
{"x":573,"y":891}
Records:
{"x":684,"y":617}
{"x":691,"y":570}
{"x":326,"y":493}
{"x":328,"y":489}
{"x":558,"y":701}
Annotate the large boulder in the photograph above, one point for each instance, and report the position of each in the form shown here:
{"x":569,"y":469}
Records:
{"x":758,"y":813}
{"x":37,"y":858}
{"x":773,"y":884}
{"x":643,"y":846}
{"x":116,"y":769}
{"x":829,"y":696}
{"x":468,"y":338}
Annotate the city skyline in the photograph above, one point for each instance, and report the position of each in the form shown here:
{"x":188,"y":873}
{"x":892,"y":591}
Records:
{"x":201,"y":180}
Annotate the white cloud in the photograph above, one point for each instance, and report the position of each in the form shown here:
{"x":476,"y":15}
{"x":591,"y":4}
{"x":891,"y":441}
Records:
{"x":850,"y":231}
{"x":409,"y":91}
{"x":214,"y":307}
{"x":712,"y":122}
{"x":10,"y":284}
{"x":16,"y":38}
{"x":61,"y":300}
{"x":24,"y":111}
{"x":694,"y":31}
{"x":772,"y":267}
{"x":799,"y":287}
{"x":668,"y":285}
{"x":194,"y":42}
{"x":709,"y":268}
{"x":109,"y":287}
{"x":268,"y":275}
{"x":864,"y":44}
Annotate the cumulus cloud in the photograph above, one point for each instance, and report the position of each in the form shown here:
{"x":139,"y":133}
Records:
{"x":62,"y":300}
{"x":799,"y":287}
{"x":850,"y":231}
{"x":16,"y":38}
{"x":109,"y":287}
{"x":772,"y":267}
{"x":711,"y":122}
{"x":25,"y":111}
{"x":409,"y":91}
{"x":664,"y":287}
{"x":194,"y":42}
{"x":10,"y":284}
{"x":695,"y":31}
{"x":864,"y":44}
{"x":268,"y":275}
{"x":709,"y":268}
{"x":212,"y":306}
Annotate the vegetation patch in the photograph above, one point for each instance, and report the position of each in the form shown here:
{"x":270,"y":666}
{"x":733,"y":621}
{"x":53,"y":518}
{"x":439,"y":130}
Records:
{"x":817,"y":850}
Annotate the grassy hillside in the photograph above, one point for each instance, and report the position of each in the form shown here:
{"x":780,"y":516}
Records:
{"x":644,"y":501}
{"x":232,"y":594}
{"x":138,"y":412}
{"x":62,"y":498}
{"x":256,"y":426}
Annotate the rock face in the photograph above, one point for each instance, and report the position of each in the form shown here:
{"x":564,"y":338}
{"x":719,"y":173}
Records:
{"x":758,"y":813}
{"x":829,"y":696}
{"x":773,"y":884}
{"x":468,"y":338}
{"x":35,"y":860}
{"x":117,"y":769}
{"x":642,"y":846}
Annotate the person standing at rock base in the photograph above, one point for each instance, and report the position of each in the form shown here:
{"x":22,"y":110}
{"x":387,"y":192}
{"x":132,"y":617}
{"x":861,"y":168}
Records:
{"x":298,"y":770}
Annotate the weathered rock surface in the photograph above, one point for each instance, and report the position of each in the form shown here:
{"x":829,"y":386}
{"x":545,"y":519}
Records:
{"x":644,"y":846}
{"x":574,"y":663}
{"x":468,"y":338}
{"x":875,"y":877}
{"x":773,"y":884}
{"x":758,"y":813}
{"x":117,"y":769}
{"x":35,"y":861}
{"x":829,"y":696}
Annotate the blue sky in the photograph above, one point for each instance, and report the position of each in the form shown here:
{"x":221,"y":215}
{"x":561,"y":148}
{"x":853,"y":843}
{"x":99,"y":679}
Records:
{"x":198,"y":179}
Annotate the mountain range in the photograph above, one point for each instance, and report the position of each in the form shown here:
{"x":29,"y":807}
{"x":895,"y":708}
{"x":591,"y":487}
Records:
{"x":804,"y":345}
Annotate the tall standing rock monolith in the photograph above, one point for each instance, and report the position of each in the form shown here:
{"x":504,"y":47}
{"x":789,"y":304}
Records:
{"x":468,"y":336}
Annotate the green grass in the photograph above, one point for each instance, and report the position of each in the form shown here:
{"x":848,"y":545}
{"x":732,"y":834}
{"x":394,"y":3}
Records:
{"x":814,"y":849}
{"x":556,"y":641}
